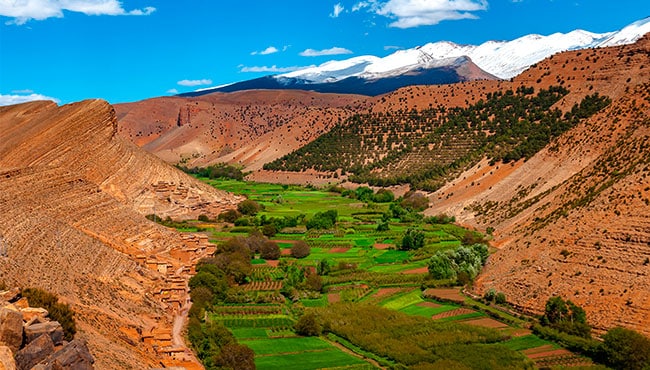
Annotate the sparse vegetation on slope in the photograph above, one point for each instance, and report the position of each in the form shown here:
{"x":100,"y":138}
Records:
{"x":424,"y":148}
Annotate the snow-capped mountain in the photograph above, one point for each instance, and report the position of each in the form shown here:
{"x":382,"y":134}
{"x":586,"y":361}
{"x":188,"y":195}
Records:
{"x":503,"y":59}
{"x":436,"y":63}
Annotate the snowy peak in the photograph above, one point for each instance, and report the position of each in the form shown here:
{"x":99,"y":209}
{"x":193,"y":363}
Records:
{"x":503,"y":59}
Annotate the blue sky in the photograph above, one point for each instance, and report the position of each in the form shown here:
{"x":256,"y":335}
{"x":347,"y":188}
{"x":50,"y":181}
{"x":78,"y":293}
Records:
{"x":130,"y":50}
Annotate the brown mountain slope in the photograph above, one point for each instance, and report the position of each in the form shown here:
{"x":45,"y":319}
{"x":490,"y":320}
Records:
{"x":573,"y":220}
{"x":72,"y":196}
{"x":248,"y":127}
{"x":40,"y":134}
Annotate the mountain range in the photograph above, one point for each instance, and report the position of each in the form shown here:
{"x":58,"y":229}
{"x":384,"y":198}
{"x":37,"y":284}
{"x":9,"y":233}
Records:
{"x":435,"y":63}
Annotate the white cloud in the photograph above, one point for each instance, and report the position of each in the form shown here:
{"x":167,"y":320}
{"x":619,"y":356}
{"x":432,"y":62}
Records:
{"x":414,"y":13}
{"x":338,"y":9}
{"x":272,"y":69}
{"x":25,"y":91}
{"x":23,"y":11}
{"x":392,"y":47}
{"x":267,"y":51}
{"x":331,"y":51}
{"x":17,"y":99}
{"x":201,"y":82}
{"x":172,"y":91}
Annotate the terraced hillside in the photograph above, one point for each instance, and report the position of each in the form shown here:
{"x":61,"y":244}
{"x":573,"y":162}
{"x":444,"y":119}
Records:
{"x":248,"y":128}
{"x":73,"y":197}
{"x":426,"y":148}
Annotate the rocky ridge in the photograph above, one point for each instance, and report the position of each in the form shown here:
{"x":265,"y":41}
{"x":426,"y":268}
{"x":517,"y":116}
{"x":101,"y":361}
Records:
{"x":73,"y":197}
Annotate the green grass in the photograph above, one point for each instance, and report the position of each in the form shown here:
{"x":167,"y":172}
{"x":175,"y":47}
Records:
{"x":392,"y":256}
{"x":403,"y":300}
{"x":286,"y":345}
{"x":327,"y":359}
{"x":414,"y":309}
{"x":527,"y":342}
{"x":320,"y":302}
{"x":249,"y":333}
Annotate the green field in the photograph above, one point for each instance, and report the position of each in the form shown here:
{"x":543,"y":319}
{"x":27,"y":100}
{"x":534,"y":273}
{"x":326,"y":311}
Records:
{"x":266,"y":310}
{"x":326,"y":359}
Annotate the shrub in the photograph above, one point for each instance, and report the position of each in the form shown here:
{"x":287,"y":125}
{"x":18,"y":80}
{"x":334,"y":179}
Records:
{"x":230,"y":215}
{"x":249,"y":207}
{"x":270,"y":250}
{"x":300,"y":249}
{"x":204,"y":218}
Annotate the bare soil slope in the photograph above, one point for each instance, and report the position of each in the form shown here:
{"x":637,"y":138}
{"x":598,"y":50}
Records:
{"x":73,"y":197}
{"x":248,"y":127}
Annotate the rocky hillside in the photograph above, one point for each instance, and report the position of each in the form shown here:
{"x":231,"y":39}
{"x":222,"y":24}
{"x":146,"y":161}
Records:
{"x":248,"y":128}
{"x":572,"y":220}
{"x":73,"y":196}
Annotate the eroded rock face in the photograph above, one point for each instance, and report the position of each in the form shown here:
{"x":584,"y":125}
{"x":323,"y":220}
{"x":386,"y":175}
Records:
{"x":11,"y":329}
{"x":36,"y":351}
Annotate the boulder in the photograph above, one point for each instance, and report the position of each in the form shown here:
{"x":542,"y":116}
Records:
{"x":30,"y":313}
{"x":10,"y":295}
{"x":73,"y":356}
{"x":11,"y":329}
{"x":35,"y":352}
{"x":22,"y":303}
{"x":7,"y":359}
{"x":52,"y":328}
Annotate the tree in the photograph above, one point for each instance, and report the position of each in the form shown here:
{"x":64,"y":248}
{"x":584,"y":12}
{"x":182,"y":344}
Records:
{"x":270,"y":250}
{"x":383,"y":226}
{"x":323,"y":267}
{"x":313,"y":282}
{"x":364,"y":193}
{"x":236,"y":356}
{"x":415,"y":201}
{"x":566,"y":316}
{"x":323,"y":220}
{"x":300,"y":249}
{"x":383,"y":196}
{"x":440,"y":267}
{"x":413,"y":239}
{"x":269,"y":230}
{"x":308,"y":325}
{"x":626,"y":349}
{"x":249,"y":207}
{"x":230,"y":215}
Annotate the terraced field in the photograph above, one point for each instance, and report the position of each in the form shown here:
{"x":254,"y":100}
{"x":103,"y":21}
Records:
{"x":366,"y":268}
